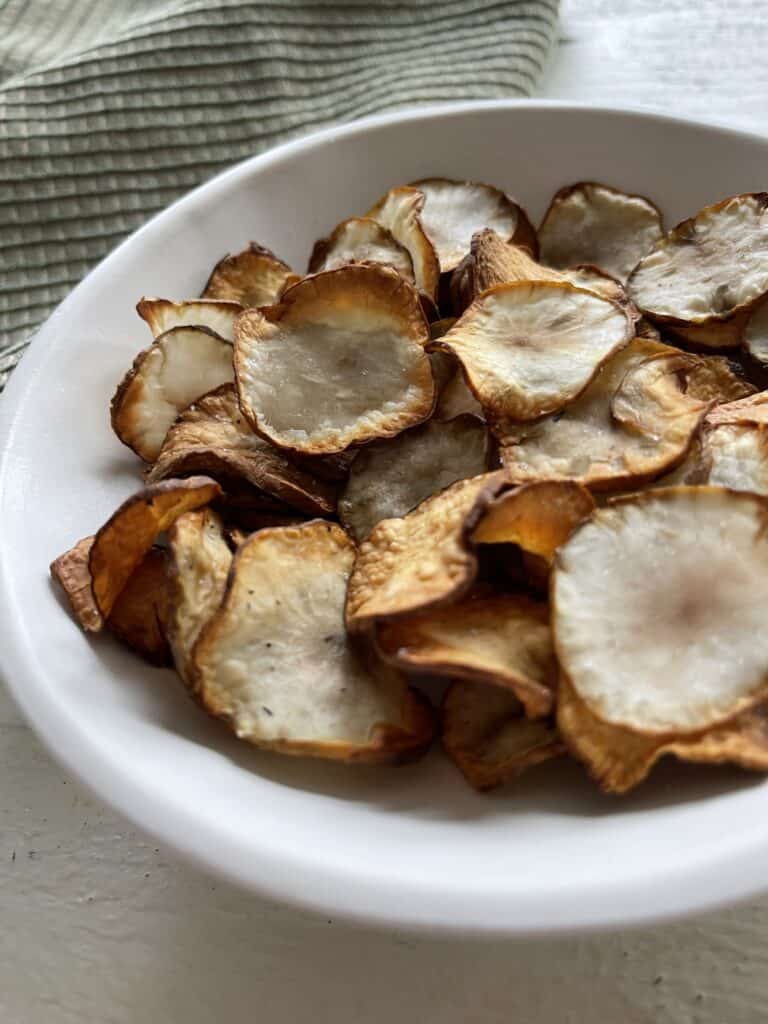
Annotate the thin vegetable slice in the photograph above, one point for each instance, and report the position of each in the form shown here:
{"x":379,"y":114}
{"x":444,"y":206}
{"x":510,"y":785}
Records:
{"x":389,"y":478}
{"x":657,"y":606}
{"x":71,"y":572}
{"x":139,"y":617}
{"x":253,"y":277}
{"x":360,"y":240}
{"x":399,"y":211}
{"x":275,"y":662}
{"x":736,"y":455}
{"x":592,"y":223}
{"x":530,"y":348}
{"x":215,"y":314}
{"x":488,"y":737}
{"x":756,"y":333}
{"x":339,"y":361}
{"x":183,"y":364}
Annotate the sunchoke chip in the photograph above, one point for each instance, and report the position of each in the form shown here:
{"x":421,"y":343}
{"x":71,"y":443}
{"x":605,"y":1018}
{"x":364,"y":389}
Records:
{"x":389,"y":478}
{"x":360,"y":240}
{"x":276,"y":664}
{"x":339,"y":361}
{"x":200,"y":560}
{"x":71,"y":572}
{"x":399,"y":211}
{"x":657,"y":609}
{"x":529,"y":348}
{"x":592,"y":223}
{"x":253,"y":277}
{"x":703,"y":278}
{"x":620,"y":758}
{"x":488,"y":736}
{"x":129,"y":533}
{"x":756,"y":333}
{"x":162,"y":314}
{"x":635,"y":421}
{"x":486,"y":637}
{"x":454,"y":210}
{"x":183,"y":364}
{"x":212,"y":437}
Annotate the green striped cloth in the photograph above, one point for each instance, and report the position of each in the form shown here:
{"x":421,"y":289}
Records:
{"x":110,"y":109}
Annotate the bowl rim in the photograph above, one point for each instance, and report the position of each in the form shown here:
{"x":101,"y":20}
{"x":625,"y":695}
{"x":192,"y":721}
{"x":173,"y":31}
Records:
{"x":708,"y":882}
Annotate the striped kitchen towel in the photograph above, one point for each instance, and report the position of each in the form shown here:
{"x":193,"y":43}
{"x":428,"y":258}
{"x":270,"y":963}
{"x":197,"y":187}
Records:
{"x":110,"y":109}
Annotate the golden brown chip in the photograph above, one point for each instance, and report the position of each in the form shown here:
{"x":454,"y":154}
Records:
{"x":339,"y":361}
{"x":389,"y":478}
{"x":619,"y":758}
{"x":634,"y":422}
{"x":423,"y":560}
{"x":360,"y":240}
{"x":399,"y":211}
{"x":488,"y":737}
{"x":129,"y":533}
{"x":71,"y":572}
{"x":454,"y":211}
{"x":538,"y":517}
{"x":253,"y":277}
{"x":183,"y":364}
{"x":657,"y":609}
{"x":200,"y":560}
{"x":530,"y":348}
{"x":162,"y":314}
{"x":752,"y":409}
{"x":275,"y":662}
{"x":486,"y":637}
{"x":139,"y":616}
{"x":702,"y":279}
{"x":717,"y":379}
{"x":592,"y":223}
{"x":212,"y":437}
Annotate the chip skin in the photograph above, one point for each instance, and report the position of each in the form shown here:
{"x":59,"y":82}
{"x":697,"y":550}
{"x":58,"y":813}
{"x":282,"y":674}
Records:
{"x":530,"y":348}
{"x":424,"y":560}
{"x":213,"y":438}
{"x":276,"y":664}
{"x":657,"y":606}
{"x":620,"y":759}
{"x":486,"y":637}
{"x":139,"y":616}
{"x":215,"y":314}
{"x":340,"y":361}
{"x":454,"y":211}
{"x":254,"y":277}
{"x":360,"y":240}
{"x":129,"y":533}
{"x":488,"y":737}
{"x":199,"y":562}
{"x":399,"y":211}
{"x":70,"y":570}
{"x":389,"y":478}
{"x":179,"y":367}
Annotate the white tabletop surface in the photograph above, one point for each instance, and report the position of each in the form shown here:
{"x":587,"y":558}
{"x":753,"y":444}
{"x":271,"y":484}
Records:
{"x":100,"y":925}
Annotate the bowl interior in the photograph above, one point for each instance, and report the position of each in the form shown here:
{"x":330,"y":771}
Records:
{"x":413,"y":845}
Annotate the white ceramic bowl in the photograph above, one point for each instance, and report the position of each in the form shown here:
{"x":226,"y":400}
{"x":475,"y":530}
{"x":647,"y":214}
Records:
{"x":409,"y":846}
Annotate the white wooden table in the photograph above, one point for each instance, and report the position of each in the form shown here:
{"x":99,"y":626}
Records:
{"x":99,"y":925}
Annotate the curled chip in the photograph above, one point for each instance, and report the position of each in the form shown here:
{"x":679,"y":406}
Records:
{"x":756,"y":333}
{"x":529,"y":348}
{"x":491,"y":261}
{"x":200,"y":561}
{"x":212,"y":437}
{"x":139,"y":616}
{"x":339,"y":361}
{"x":71,"y":572}
{"x":620,"y":758}
{"x":183,"y":364}
{"x":634,"y":422}
{"x":162,"y":314}
{"x":751,"y":409}
{"x":423,"y":560}
{"x":389,"y":478}
{"x":538,"y":517}
{"x":592,"y":223}
{"x":253,"y":277}
{"x":360,"y":240}
{"x":454,"y":210}
{"x":488,"y":737}
{"x":657,"y":607}
{"x":717,"y":379}
{"x":276,"y":664}
{"x":703,"y":278}
{"x":399,"y":211}
{"x":487,"y":637}
{"x":123,"y":541}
